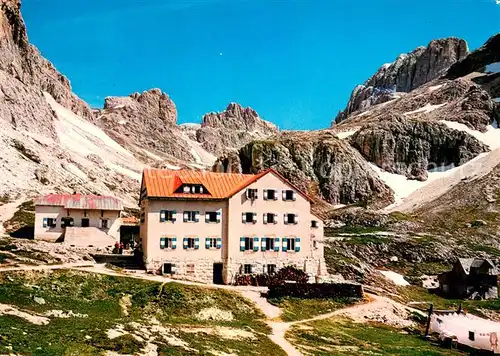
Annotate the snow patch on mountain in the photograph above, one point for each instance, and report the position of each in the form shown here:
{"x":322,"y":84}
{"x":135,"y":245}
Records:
{"x":490,"y":138}
{"x":493,"y":68}
{"x":425,"y":109}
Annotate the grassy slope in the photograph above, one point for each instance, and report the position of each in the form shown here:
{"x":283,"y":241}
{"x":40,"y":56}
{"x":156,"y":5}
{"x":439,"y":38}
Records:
{"x":98,"y":296}
{"x":339,"y":336}
{"x":299,"y":309}
{"x":421,"y":295}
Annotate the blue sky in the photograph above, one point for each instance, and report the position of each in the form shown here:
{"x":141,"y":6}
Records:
{"x":295,"y":62}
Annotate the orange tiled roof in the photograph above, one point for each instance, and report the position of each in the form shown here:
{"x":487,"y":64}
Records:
{"x":162,"y":183}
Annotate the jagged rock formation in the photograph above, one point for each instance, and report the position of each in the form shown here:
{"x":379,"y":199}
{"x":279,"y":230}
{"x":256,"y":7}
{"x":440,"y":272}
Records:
{"x":407,"y":73}
{"x":232,"y":128}
{"x":317,"y":162}
{"x":477,"y":60}
{"x":146,"y":124}
{"x":47,"y":140}
{"x":22,"y":61}
{"x":411,"y":147}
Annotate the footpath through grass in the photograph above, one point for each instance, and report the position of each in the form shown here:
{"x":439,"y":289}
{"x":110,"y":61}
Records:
{"x":295,"y":309}
{"x":338,"y":336}
{"x":98,"y":313}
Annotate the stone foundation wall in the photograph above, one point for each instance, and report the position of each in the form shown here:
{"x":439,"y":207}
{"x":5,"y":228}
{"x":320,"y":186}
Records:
{"x":203,"y":268}
{"x":313,"y":266}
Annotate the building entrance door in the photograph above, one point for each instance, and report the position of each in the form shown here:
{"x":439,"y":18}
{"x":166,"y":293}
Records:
{"x":218,"y":273}
{"x":85,"y":222}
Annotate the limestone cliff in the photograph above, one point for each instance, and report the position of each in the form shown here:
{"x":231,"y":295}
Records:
{"x":407,"y":73}
{"x":317,"y":162}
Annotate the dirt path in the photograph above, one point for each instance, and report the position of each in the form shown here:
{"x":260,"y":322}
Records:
{"x":377,"y":308}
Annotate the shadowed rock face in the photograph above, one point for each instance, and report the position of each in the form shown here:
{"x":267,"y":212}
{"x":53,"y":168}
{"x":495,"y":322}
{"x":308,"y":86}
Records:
{"x":232,"y":128}
{"x":410,"y":147}
{"x":317,"y":162}
{"x":407,"y":73}
{"x":477,"y":60}
{"x":23,"y":61}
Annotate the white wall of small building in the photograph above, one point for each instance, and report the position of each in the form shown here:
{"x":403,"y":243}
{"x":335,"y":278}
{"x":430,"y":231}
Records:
{"x":58,"y":212}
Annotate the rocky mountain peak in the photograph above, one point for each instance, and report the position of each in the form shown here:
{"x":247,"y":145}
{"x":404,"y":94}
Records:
{"x":408,"y":72}
{"x":236,"y":117}
{"x":152,"y":103}
{"x":475,"y":62}
{"x":23,"y":61}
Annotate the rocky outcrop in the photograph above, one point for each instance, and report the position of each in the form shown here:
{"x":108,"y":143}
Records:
{"x":411,"y":147}
{"x":477,"y":61}
{"x":317,"y":162}
{"x":152,"y":103}
{"x":146,"y":124}
{"x":232,"y":128}
{"x":407,"y":73}
{"x":21,"y":60}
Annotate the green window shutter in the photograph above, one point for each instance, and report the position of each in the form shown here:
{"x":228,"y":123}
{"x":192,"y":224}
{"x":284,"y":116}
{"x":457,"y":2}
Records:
{"x":218,"y":216}
{"x":256,"y":244}
{"x":196,"y":243}
{"x":185,"y":243}
{"x":219,"y":243}
{"x":276,"y":244}
{"x":163,"y":216}
{"x":45,"y":222}
{"x":197,"y":216}
{"x":242,"y":244}
{"x":174,"y":216}
{"x":297,"y":244}
{"x":207,"y":243}
{"x":263,"y":244}
{"x":162,"y":242}
{"x":207,"y":218}
{"x":174,"y":243}
{"x":284,"y":245}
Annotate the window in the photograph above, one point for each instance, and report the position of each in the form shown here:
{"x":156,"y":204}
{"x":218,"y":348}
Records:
{"x":192,"y":189}
{"x":67,"y":221}
{"x":49,"y":222}
{"x":168,"y":242}
{"x":190,"y":268}
{"x":210,"y":242}
{"x":247,"y":269}
{"x":246,"y":244}
{"x":268,"y":244}
{"x":249,"y":218}
{"x":270,"y":218}
{"x":191,"y":243}
{"x":291,"y":219}
{"x":168,"y":215}
{"x":291,"y":244}
{"x":104,"y":224}
{"x":252,"y":194}
{"x":271,"y":269}
{"x":168,"y":268}
{"x":314,"y":224}
{"x":212,"y":216}
{"x":471,"y":336}
{"x":85,"y":222}
{"x":289,"y":195}
{"x":270,"y":194}
{"x":191,"y":216}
